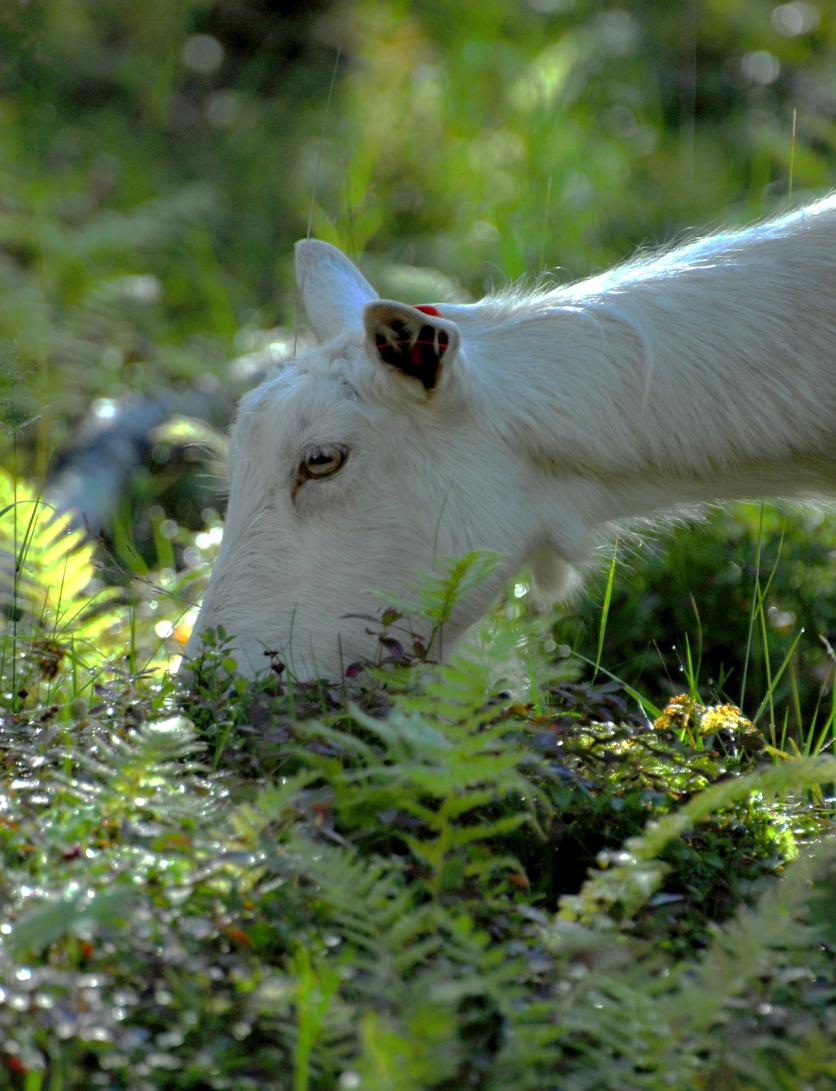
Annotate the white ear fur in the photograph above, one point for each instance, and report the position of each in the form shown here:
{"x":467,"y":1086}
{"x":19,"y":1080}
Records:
{"x":333,"y":289}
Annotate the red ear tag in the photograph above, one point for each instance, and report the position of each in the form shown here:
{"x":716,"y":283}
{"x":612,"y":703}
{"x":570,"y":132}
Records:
{"x":427,"y":309}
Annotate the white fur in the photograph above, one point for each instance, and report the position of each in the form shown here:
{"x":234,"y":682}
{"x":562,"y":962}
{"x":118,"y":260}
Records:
{"x":704,"y":373}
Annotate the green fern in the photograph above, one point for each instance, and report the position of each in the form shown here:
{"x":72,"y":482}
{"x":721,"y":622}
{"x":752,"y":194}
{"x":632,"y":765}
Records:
{"x":444,"y":765}
{"x":434,"y":598}
{"x":638,"y":871}
{"x":362,"y":911}
{"x":59,"y":618}
{"x":637,"y":1021}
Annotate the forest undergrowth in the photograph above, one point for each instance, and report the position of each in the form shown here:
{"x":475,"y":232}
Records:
{"x":481,"y":874}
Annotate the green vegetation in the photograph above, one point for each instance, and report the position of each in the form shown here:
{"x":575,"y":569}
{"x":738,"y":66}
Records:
{"x":566,"y":860}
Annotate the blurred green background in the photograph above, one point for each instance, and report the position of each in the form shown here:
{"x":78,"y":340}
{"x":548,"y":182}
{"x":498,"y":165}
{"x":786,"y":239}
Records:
{"x":158,"y":160}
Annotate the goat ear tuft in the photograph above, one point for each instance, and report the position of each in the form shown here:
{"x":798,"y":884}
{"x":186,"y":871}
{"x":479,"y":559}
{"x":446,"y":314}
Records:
{"x":332,"y":289}
{"x":415,"y":341}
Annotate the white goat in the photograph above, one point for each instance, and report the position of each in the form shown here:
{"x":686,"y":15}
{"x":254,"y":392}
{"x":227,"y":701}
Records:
{"x":527,"y":424}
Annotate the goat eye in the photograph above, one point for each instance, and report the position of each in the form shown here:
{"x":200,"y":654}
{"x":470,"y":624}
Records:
{"x":323,"y":461}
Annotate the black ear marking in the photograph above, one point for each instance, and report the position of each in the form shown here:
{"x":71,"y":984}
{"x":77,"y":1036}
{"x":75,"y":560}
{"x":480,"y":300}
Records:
{"x":418,"y":356}
{"x":419,"y":345}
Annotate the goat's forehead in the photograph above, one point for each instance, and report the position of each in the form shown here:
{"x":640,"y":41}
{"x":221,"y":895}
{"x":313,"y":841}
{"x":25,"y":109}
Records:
{"x":301,"y":401}
{"x":343,"y":361}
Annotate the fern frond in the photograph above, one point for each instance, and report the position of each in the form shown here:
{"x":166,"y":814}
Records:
{"x":638,"y":871}
{"x":55,"y":607}
{"x":751,"y":944}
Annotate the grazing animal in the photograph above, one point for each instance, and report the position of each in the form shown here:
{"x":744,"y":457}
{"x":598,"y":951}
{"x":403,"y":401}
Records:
{"x":528,"y":424}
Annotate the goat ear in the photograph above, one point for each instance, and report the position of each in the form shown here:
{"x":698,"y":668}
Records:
{"x":415,"y":341}
{"x":332,"y":288}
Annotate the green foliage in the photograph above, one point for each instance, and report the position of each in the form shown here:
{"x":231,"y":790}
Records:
{"x":435,"y":597}
{"x":381,"y":906}
{"x":649,"y":1028}
{"x":140,"y":201}
{"x":518,"y":137}
{"x":747,"y":599}
{"x":55,"y":607}
{"x":434,"y":765}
